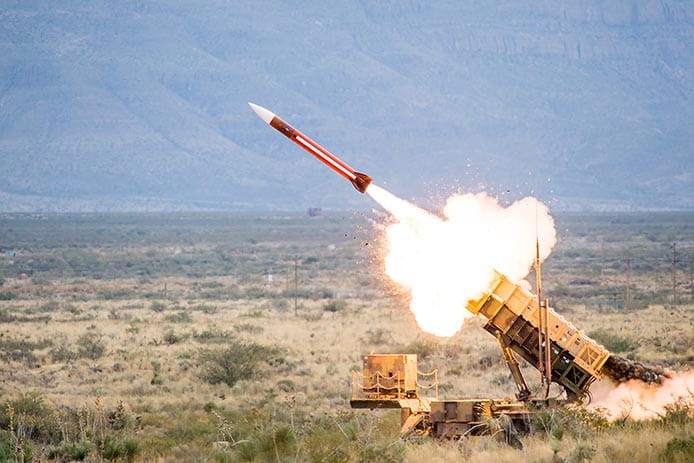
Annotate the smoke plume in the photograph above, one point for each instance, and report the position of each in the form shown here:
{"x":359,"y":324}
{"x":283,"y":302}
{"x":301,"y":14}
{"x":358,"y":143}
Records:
{"x":621,"y":370}
{"x":447,"y":261}
{"x":638,"y":400}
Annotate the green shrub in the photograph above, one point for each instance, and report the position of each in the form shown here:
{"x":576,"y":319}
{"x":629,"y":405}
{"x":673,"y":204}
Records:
{"x":679,"y":450}
{"x":91,"y":346}
{"x":50,"y":306}
{"x":240,"y":361}
{"x":212,"y":336}
{"x":7,"y":296}
{"x":30,"y":412}
{"x":345,"y":438}
{"x":21,"y":350}
{"x":249,"y":328}
{"x":113,"y":449}
{"x":286,"y":385}
{"x":179,"y":317}
{"x":109,"y":448}
{"x":13,"y":451}
{"x":62,"y":353}
{"x":205,"y":308}
{"x":171,"y":337}
{"x":156,"y":380}
{"x":335,"y":305}
{"x":377,"y":336}
{"x":679,"y":412}
{"x":132,"y":329}
{"x":131,"y":448}
{"x":6,"y":316}
{"x":210,"y":284}
{"x":76,"y":451}
{"x":157,"y":306}
{"x":423,"y":349}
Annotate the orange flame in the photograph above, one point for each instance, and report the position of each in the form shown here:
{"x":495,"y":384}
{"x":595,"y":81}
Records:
{"x":445,"y":262}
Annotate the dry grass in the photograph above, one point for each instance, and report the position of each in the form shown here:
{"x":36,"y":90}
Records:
{"x":320,"y":348}
{"x":153,"y":328}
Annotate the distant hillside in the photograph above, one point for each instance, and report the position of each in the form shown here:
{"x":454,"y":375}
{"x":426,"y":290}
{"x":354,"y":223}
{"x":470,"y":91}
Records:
{"x":142,"y":105}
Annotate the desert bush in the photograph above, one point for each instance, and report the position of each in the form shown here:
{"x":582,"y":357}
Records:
{"x":240,"y":361}
{"x":422,"y":348}
{"x":280,"y":305}
{"x":286,"y":385}
{"x":212,"y":336}
{"x":13,"y":449}
{"x":253,"y":313}
{"x":72,"y":309}
{"x":29,"y":417}
{"x":335,"y":305}
{"x":575,"y":422}
{"x":179,"y":317}
{"x":157,"y":306}
{"x":91,"y":346}
{"x":377,"y":336}
{"x":679,"y":412}
{"x":581,"y":453}
{"x":157,"y":379}
{"x":171,"y":337}
{"x":114,"y":294}
{"x":50,"y":306}
{"x":346,"y":437}
{"x":113,"y":449}
{"x":205,"y":308}
{"x":6,"y":316}
{"x":210,"y":284}
{"x":132,"y":329}
{"x":249,"y":328}
{"x":21,"y":350}
{"x":62,"y":353}
{"x":679,"y":450}
{"x":75,"y":451}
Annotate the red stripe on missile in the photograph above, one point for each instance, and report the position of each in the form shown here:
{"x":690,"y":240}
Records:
{"x":360,"y":181}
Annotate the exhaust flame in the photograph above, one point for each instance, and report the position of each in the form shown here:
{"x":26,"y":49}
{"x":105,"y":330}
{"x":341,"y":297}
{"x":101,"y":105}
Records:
{"x":641,"y":401}
{"x":445,"y":262}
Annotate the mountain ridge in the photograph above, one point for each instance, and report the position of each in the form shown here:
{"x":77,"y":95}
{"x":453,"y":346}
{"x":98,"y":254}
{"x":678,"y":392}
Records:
{"x":144,"y":103}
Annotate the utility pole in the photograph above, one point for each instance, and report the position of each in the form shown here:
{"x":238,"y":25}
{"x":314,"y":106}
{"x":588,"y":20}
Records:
{"x":627,"y":292}
{"x":602,"y":260}
{"x":540,"y":331}
{"x":691,"y":280}
{"x":674,"y":274}
{"x":296,"y":286}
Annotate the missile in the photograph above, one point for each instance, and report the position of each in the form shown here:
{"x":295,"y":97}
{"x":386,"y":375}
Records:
{"x":360,"y":181}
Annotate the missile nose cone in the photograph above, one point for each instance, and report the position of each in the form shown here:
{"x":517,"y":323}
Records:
{"x":262,"y":113}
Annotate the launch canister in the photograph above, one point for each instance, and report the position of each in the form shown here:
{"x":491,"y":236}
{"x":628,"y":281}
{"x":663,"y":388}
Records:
{"x":360,"y":181}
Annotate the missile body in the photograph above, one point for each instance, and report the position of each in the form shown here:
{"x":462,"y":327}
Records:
{"x":360,"y":181}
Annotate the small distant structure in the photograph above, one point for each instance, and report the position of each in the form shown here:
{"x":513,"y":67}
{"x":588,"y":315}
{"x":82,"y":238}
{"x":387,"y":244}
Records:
{"x":10,"y":253}
{"x":315,"y":211}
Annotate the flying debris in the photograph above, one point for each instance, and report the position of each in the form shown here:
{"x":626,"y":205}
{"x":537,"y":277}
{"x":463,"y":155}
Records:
{"x":360,"y":181}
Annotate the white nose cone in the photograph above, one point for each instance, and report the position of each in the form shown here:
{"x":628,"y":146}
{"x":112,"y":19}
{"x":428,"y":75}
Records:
{"x":262,"y":113}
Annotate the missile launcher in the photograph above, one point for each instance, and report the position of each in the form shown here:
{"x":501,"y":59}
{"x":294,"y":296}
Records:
{"x":513,"y":317}
{"x":523,"y":327}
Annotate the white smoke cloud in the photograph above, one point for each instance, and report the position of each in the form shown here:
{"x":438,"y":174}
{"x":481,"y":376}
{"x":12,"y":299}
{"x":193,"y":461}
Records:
{"x":641,"y":401}
{"x":447,"y":261}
